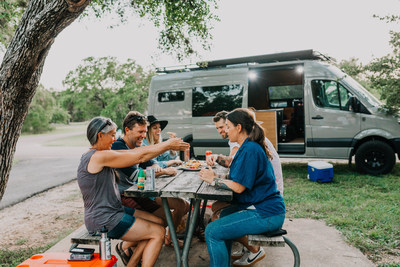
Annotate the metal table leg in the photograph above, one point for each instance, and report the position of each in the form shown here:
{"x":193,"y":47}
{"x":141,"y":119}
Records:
{"x":188,"y":216}
{"x":192,"y":225}
{"x":171,"y":227}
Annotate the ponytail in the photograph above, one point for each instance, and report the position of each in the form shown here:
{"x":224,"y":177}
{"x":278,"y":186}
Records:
{"x":257,"y":135}
{"x":246,"y":118}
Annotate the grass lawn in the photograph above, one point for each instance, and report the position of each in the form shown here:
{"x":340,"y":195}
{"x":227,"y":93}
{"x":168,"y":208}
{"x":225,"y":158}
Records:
{"x":366,"y":209}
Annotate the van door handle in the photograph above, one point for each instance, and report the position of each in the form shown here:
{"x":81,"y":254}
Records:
{"x":318,"y":117}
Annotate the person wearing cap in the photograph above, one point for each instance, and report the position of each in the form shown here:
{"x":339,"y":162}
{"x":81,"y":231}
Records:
{"x":153,"y":137}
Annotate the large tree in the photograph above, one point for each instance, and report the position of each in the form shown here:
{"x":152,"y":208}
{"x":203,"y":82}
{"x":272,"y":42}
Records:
{"x":179,"y":22}
{"x":384,"y":72}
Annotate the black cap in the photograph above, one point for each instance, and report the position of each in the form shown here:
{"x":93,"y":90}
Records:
{"x":151,"y":119}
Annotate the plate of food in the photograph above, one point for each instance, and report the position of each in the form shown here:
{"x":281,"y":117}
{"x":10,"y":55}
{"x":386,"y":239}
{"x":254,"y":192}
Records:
{"x":192,"y":165}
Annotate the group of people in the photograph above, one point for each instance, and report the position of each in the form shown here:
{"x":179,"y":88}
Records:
{"x":112,"y":165}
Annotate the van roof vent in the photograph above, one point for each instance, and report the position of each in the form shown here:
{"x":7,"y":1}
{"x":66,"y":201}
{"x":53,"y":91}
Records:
{"x":247,"y":61}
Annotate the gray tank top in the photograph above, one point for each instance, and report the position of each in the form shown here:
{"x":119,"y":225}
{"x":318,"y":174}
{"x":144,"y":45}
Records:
{"x":101,"y":197}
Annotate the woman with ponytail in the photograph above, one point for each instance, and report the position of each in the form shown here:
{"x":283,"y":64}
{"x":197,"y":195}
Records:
{"x":258,"y":206}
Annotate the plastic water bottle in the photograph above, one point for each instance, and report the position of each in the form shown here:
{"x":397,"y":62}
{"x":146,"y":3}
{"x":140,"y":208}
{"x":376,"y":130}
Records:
{"x":150,"y":175}
{"x":141,"y":177}
{"x":105,"y":245}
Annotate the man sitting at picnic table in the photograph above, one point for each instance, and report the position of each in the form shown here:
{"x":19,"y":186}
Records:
{"x":134,"y":129}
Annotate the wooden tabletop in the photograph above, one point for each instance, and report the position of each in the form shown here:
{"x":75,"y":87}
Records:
{"x":185,"y":184}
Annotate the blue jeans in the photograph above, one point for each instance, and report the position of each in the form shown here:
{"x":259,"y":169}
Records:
{"x":234,"y":223}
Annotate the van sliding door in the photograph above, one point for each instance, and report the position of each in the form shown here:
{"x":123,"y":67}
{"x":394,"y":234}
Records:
{"x":281,"y":89}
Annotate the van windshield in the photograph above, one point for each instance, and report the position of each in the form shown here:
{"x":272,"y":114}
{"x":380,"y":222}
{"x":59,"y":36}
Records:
{"x":366,"y":94}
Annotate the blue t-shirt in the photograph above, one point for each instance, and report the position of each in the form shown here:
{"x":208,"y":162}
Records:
{"x":252,"y":169}
{"x":124,"y":182}
{"x":162,"y":159}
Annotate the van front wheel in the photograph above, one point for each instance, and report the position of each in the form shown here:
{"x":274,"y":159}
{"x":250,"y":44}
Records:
{"x":375,"y":157}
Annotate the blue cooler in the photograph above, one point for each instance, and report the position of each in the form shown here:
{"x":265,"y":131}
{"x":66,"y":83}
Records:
{"x":320,"y":171}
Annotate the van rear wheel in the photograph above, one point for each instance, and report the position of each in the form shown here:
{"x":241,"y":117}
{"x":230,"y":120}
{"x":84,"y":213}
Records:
{"x":375,"y":157}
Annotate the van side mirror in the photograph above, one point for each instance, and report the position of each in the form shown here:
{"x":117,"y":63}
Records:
{"x":354,"y":104}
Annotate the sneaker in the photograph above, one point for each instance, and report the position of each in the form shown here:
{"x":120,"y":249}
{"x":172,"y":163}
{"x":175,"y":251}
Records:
{"x":250,"y":258}
{"x":239,"y":253}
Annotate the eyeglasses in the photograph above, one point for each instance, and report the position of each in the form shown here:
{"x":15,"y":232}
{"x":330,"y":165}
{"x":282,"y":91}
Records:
{"x":107,"y":122}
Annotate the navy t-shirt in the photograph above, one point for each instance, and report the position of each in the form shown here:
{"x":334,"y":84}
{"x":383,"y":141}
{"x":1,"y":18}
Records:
{"x":252,"y":169}
{"x":124,"y":182}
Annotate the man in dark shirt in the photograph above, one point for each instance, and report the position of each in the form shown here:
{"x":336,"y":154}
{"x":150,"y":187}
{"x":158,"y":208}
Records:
{"x":135,"y":129}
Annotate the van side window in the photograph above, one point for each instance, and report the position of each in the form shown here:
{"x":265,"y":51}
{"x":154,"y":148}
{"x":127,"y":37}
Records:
{"x":330,"y":94}
{"x":283,"y":95}
{"x":171,"y":96}
{"x":208,"y":100}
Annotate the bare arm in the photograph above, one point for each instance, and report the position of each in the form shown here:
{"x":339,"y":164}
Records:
{"x":126,"y":158}
{"x":170,"y":171}
{"x":233,"y":152}
{"x":208,"y":175}
{"x":224,"y":160}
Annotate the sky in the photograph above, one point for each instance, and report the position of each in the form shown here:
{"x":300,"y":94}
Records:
{"x":341,"y":29}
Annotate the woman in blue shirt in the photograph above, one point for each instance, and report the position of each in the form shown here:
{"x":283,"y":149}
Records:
{"x":257,"y":206}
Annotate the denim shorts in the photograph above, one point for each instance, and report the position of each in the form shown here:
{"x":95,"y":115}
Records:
{"x":124,"y":225}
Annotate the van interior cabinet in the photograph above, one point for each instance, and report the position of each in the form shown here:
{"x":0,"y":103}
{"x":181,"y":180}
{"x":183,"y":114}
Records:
{"x":269,"y":124}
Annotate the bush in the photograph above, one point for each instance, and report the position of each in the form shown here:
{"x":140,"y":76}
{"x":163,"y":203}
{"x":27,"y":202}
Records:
{"x":43,"y":111}
{"x":60,"y":115}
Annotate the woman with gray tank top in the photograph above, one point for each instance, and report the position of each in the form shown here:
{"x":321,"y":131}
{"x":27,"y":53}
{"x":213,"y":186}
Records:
{"x":102,"y":201}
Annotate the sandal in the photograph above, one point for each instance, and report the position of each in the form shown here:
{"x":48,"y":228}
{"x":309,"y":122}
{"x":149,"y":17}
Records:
{"x":121,"y":253}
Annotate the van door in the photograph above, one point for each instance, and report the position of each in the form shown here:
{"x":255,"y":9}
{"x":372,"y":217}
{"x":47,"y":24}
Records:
{"x":333,"y":125}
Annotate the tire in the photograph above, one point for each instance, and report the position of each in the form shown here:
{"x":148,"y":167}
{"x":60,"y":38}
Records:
{"x":375,"y":157}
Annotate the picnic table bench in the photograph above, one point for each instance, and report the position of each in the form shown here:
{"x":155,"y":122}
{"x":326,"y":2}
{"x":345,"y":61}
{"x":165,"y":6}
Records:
{"x":275,"y":239}
{"x":82,"y":236}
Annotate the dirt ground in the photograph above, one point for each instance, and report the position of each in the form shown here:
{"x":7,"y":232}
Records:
{"x":42,"y":219}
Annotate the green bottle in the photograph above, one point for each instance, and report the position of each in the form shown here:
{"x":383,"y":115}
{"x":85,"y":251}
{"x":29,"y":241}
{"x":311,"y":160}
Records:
{"x":141,"y":178}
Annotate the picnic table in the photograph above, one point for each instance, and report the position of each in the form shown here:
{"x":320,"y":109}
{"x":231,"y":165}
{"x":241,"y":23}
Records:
{"x":185,"y":184}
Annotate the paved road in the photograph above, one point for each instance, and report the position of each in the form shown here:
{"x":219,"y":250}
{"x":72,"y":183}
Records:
{"x":40,"y":166}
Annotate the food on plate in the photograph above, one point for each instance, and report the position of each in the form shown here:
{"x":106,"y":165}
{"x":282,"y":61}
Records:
{"x":192,"y":164}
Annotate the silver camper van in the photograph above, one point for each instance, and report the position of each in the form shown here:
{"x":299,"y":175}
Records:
{"x":310,"y":109}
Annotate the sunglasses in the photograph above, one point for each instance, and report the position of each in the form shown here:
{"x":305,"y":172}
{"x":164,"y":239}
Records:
{"x":106,"y":123}
{"x":137,"y":118}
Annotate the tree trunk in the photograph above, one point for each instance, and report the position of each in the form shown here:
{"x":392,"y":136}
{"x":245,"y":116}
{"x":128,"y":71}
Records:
{"x":22,"y":66}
